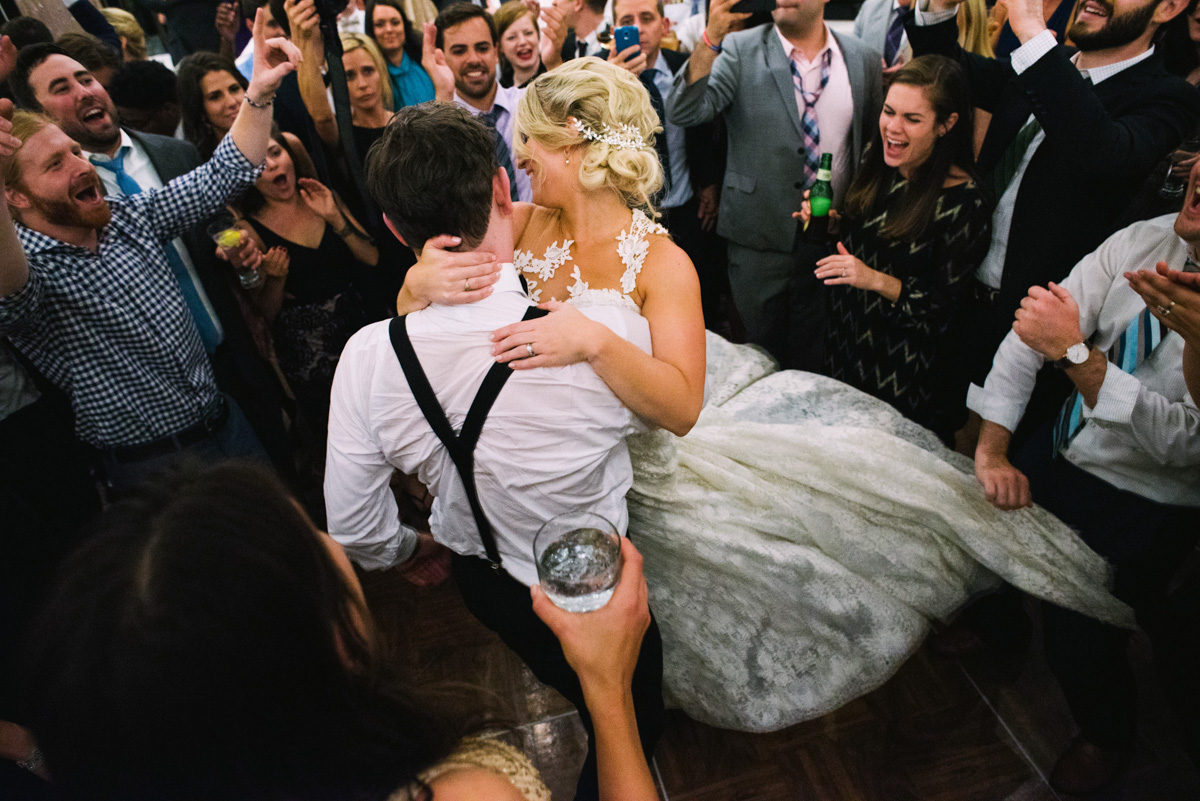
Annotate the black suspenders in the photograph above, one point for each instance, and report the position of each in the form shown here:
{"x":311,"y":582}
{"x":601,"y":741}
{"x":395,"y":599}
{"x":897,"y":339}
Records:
{"x":461,"y":446}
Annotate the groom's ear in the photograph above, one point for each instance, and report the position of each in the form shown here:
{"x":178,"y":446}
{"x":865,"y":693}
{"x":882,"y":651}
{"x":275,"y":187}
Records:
{"x":502,"y":192}
{"x":388,"y":222}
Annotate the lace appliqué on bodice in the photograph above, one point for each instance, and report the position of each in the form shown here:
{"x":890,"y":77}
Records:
{"x":632,"y":247}
{"x":545,"y":267}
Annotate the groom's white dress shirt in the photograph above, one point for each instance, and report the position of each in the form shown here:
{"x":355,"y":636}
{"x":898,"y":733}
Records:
{"x":553,"y":442}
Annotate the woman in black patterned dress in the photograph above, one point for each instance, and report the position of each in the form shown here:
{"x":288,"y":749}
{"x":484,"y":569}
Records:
{"x":316,"y":258}
{"x":913,"y":231}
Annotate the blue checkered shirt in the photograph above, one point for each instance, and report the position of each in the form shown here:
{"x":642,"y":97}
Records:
{"x":111,"y":328}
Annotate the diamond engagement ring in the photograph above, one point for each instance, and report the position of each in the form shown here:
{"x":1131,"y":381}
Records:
{"x":529,"y":349}
{"x":1165,"y":310}
{"x":467,"y":285}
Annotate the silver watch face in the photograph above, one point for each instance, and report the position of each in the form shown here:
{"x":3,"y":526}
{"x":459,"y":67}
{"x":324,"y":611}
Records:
{"x":1078,"y":354}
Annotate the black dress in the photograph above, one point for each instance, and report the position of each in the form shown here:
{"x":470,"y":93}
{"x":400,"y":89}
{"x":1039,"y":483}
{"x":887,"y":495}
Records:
{"x":322,"y":308}
{"x":890,"y":350}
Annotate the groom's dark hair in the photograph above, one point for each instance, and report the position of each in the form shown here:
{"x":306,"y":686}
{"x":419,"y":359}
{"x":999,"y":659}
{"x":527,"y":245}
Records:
{"x":431,"y":173}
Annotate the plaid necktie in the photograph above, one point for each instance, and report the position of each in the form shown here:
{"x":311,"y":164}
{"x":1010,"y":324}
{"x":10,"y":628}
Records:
{"x":812,"y":131}
{"x":895,"y":33}
{"x":207,"y":326}
{"x":1141,"y":337}
{"x":503,"y":155}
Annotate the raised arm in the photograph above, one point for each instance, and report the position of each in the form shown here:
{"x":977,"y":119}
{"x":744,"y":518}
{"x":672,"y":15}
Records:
{"x":273,"y":60}
{"x":14,"y":269}
{"x":602,"y":647}
{"x":666,"y":388}
{"x":306,"y":34}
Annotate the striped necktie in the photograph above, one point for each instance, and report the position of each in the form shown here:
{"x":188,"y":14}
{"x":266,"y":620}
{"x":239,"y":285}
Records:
{"x":808,"y":123}
{"x":1141,"y":337}
{"x":503,"y":154}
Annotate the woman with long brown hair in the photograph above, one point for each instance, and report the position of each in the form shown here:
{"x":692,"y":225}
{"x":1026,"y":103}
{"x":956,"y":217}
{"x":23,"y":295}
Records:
{"x":913,"y":232}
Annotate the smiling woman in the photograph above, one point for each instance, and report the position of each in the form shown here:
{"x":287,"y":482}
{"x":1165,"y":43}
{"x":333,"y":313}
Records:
{"x":914,"y":229}
{"x":210,"y":94}
{"x":520,"y":58}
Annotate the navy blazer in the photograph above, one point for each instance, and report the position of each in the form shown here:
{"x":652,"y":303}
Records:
{"x":1101,"y":143}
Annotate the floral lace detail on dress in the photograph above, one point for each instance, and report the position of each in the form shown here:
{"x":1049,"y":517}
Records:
{"x":632,"y":247}
{"x":545,"y":267}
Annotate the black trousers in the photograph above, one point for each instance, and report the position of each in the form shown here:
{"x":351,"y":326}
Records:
{"x":1145,"y":543}
{"x":502,"y":603}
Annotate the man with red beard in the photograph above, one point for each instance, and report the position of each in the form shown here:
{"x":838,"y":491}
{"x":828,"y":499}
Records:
{"x":1072,"y":137}
{"x":91,"y":301}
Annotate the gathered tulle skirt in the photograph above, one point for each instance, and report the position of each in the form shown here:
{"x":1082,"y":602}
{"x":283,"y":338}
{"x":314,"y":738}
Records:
{"x":800,"y":539}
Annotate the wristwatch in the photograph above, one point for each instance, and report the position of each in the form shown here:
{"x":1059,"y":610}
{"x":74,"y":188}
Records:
{"x":1076,"y":354}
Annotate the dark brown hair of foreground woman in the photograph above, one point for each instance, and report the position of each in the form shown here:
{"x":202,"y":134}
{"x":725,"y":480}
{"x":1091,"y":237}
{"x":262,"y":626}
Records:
{"x":947,"y":91}
{"x":206,"y":644}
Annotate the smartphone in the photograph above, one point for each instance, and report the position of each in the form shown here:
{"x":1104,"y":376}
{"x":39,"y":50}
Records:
{"x":752,"y":6}
{"x":626,"y":37}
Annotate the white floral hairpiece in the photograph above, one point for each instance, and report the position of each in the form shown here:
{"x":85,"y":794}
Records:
{"x":625,"y":137}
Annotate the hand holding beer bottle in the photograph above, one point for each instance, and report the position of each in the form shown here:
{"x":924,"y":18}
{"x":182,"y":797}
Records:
{"x":816,"y":212}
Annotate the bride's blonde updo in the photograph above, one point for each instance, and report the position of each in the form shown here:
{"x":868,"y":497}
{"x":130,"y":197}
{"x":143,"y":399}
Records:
{"x":610,"y":103}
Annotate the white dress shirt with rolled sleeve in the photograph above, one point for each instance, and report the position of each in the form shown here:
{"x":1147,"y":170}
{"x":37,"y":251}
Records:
{"x":1143,"y":434}
{"x":553,"y":442}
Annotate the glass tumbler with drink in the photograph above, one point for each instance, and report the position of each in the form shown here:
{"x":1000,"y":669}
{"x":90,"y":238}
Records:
{"x":578,"y":557}
{"x":1178,"y":167}
{"x":229,"y":238}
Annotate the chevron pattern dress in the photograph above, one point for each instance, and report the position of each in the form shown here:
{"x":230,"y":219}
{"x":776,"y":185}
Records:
{"x":890,"y":350}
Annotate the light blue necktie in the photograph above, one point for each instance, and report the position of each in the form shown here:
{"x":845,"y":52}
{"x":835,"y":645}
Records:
{"x":1140,"y":339}
{"x":208,"y":327}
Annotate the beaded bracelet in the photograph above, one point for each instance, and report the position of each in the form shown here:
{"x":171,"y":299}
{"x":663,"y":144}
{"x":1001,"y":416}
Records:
{"x":252,"y":104}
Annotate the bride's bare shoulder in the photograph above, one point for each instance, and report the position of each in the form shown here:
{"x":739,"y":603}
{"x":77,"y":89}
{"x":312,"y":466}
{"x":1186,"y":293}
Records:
{"x":529,"y":219}
{"x":667,"y":264}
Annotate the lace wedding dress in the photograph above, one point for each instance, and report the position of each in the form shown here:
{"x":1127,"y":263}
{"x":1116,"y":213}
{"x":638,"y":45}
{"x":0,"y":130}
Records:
{"x":800,"y":538}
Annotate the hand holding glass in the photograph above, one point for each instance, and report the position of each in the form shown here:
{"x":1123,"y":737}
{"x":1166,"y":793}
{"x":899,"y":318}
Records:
{"x":230,"y":238}
{"x":578,"y":556}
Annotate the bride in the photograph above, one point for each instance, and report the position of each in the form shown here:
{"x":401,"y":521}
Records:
{"x":799,"y":535}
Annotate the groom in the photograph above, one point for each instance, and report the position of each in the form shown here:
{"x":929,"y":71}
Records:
{"x":552,"y":442}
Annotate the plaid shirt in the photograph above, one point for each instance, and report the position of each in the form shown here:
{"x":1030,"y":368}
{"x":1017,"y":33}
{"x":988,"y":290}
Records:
{"x":111,"y":328}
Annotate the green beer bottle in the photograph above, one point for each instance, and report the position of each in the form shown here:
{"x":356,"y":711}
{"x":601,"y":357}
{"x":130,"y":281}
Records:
{"x":820,"y":199}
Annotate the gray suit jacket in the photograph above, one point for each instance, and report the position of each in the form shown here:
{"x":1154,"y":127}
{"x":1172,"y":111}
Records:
{"x":751,"y":85}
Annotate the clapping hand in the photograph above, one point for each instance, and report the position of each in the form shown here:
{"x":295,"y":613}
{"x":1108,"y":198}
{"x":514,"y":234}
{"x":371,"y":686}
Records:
{"x":433,"y":59}
{"x":562,"y":337}
{"x":318,"y":198}
{"x":1173,"y":297}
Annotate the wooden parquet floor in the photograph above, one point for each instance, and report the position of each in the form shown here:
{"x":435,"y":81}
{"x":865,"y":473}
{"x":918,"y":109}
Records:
{"x":937,"y":731}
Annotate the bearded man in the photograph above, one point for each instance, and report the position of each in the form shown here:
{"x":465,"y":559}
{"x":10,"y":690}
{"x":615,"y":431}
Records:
{"x":1073,"y":135}
{"x":87,"y":295}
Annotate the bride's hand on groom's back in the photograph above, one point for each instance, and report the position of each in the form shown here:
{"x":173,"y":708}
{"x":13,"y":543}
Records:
{"x":446,"y":277}
{"x":564,"y":336}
